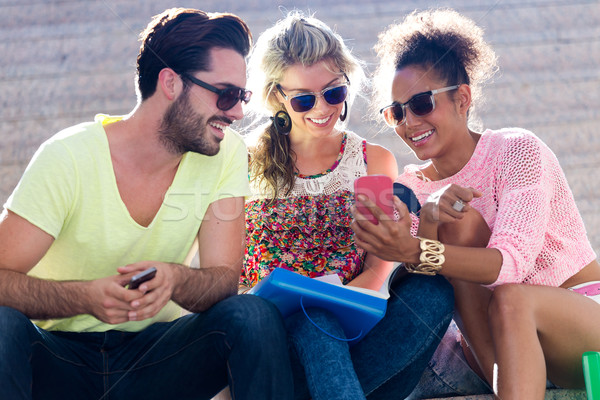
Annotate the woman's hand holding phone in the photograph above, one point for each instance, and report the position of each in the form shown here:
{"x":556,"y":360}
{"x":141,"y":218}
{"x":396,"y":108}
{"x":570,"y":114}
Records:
{"x":408,"y":197}
{"x":388,"y":241}
{"x":378,"y":189}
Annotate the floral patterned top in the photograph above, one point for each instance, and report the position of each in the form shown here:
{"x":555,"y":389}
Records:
{"x":307,"y":231}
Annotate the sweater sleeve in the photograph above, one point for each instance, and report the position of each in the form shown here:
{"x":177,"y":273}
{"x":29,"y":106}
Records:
{"x":524,"y":187}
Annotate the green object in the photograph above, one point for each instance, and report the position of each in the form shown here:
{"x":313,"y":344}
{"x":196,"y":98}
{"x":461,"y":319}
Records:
{"x":591,"y":373}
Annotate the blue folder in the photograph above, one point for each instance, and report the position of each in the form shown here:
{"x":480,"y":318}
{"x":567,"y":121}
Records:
{"x":356,"y":311}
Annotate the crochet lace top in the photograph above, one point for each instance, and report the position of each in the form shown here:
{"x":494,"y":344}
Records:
{"x":307,"y":231}
{"x":526,"y":202}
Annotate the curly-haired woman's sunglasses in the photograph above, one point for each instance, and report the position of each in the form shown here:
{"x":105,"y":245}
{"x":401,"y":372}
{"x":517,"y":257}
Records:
{"x":302,"y":102}
{"x":227,"y":98}
{"x":420,"y":105}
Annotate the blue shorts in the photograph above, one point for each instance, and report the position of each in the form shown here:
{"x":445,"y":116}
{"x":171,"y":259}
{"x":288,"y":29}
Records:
{"x":449,"y":374}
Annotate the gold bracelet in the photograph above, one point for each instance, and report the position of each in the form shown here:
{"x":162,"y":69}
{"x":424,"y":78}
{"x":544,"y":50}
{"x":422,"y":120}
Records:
{"x":431,"y":258}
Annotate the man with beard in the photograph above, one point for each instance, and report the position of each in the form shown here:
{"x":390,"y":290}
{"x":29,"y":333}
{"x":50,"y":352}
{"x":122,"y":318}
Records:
{"x":103,"y":201}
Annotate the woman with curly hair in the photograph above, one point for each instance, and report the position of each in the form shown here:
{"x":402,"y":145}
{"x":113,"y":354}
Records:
{"x":302,"y":169}
{"x":498,"y":220}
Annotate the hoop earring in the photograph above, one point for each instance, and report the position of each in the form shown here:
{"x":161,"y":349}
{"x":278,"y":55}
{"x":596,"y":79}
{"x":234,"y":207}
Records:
{"x":344,"y":113}
{"x":282,"y":122}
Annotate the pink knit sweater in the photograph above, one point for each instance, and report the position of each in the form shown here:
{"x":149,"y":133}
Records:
{"x":527,"y":204}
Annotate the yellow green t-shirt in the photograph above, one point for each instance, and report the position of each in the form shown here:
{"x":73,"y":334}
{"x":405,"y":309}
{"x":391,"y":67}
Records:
{"x":69,"y":191}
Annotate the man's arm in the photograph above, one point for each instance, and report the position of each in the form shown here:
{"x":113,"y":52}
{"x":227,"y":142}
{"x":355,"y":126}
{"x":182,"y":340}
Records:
{"x":22,"y":245}
{"x":221,"y":243}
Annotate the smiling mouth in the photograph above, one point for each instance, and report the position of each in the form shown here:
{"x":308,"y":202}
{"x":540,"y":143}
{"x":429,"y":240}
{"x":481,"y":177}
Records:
{"x":421,"y":137}
{"x":221,"y":127}
{"x":320,"y":121}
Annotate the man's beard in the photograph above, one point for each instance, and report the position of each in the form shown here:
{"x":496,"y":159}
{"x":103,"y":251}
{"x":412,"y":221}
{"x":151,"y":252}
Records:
{"x":183,"y":130}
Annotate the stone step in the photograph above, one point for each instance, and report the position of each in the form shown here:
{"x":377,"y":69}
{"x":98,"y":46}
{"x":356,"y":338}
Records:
{"x":553,"y":394}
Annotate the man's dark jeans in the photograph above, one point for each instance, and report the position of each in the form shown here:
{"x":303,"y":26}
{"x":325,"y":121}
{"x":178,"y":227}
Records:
{"x":240,"y":341}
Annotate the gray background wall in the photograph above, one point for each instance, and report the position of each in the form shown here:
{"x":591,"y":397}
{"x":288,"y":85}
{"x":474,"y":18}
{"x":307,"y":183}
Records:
{"x":62,"y":61}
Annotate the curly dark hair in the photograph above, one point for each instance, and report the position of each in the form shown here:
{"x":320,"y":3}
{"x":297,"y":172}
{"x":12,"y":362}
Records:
{"x":439,"y":40}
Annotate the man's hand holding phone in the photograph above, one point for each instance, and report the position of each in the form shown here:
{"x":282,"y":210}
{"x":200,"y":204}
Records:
{"x":142,"y":277}
{"x":156,"y":280}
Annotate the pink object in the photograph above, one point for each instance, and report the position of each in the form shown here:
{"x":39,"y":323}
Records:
{"x":592,"y":289}
{"x":526,"y":202}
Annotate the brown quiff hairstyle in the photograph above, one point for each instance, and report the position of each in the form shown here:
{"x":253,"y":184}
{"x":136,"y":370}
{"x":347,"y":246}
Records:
{"x":181,"y":38}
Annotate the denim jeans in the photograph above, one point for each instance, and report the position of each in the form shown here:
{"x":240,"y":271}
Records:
{"x":448,"y":373}
{"x":240,"y":341}
{"x":388,"y":362}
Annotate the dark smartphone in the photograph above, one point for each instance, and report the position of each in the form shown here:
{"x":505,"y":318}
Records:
{"x":378,"y":188}
{"x":142,"y":277}
{"x":408,"y":197}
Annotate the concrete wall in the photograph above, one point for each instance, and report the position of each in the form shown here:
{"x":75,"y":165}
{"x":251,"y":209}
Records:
{"x":62,"y":61}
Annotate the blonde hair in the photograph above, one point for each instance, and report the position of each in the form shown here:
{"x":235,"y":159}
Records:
{"x":296,"y":39}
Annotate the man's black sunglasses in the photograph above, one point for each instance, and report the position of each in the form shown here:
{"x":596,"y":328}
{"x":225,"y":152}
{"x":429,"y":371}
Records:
{"x":228,"y":98}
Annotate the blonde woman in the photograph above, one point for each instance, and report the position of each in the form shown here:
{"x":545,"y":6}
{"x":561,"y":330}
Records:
{"x":302,"y":169}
